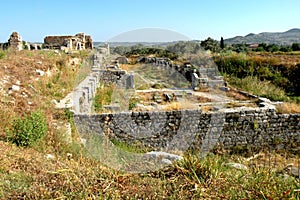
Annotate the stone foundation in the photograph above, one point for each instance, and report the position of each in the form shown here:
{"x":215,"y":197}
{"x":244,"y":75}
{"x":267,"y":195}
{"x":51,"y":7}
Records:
{"x":180,"y":130}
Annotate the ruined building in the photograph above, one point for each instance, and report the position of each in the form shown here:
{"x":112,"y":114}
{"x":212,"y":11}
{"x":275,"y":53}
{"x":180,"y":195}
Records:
{"x":14,"y":42}
{"x":78,"y":42}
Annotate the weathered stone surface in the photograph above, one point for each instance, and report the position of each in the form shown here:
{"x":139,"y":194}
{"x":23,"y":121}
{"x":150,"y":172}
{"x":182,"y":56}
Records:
{"x":237,"y":166}
{"x":78,"y":42}
{"x":15,"y":41}
{"x":122,"y":60}
{"x":15,"y":88}
{"x":164,"y":155}
{"x":179,"y":130}
{"x":40,"y":72}
{"x":172,"y":129}
{"x":84,"y":93}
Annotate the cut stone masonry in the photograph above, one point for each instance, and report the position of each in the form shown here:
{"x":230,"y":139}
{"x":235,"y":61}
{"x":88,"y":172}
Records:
{"x":78,"y":42}
{"x":180,"y":130}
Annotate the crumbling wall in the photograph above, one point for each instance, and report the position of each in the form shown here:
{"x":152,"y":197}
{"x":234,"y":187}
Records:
{"x":162,"y":130}
{"x":88,"y":42}
{"x":84,"y":93}
{"x":15,"y":41}
{"x":78,"y":42}
{"x":55,"y":41}
{"x":182,"y":129}
{"x":200,"y":77}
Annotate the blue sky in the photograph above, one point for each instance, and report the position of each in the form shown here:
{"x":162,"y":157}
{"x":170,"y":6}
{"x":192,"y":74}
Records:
{"x":196,"y":19}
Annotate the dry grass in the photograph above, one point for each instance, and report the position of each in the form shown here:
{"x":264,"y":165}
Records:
{"x":6,"y":115}
{"x":182,"y":105}
{"x":236,"y":95}
{"x":206,"y":108}
{"x":130,"y":67}
{"x":173,"y":106}
{"x":19,"y":68}
{"x":261,"y":88}
{"x":27,"y":173}
{"x":276,"y":59}
{"x":286,"y":108}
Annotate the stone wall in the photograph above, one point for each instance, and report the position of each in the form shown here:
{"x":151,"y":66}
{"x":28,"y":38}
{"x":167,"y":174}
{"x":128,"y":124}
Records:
{"x":84,"y":93}
{"x":169,"y":130}
{"x":14,"y":42}
{"x":199,"y":77}
{"x":78,"y":42}
{"x":4,"y":46}
{"x":180,"y":130}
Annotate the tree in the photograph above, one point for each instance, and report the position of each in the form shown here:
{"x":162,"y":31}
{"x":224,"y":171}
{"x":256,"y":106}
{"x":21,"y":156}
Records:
{"x":222,"y":45}
{"x":296,"y":46}
{"x":285,"y":49}
{"x":272,"y":48}
{"x":263,"y":46}
{"x":239,"y":48}
{"x":210,"y":44}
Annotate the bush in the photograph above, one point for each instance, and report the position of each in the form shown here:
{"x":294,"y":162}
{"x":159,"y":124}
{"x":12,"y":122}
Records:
{"x":28,"y":130}
{"x":133,"y":103}
{"x":2,"y":54}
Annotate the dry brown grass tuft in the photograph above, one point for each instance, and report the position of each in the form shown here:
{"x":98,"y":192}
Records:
{"x":173,"y":106}
{"x":286,"y":108}
{"x":6,"y":116}
{"x":206,"y":108}
{"x":236,"y":95}
{"x":182,"y":105}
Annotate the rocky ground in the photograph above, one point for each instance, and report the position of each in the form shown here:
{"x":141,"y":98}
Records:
{"x":56,"y":169}
{"x":30,"y":80}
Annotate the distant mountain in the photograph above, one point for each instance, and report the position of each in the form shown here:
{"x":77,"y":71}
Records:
{"x":281,"y":38}
{"x":146,"y":44}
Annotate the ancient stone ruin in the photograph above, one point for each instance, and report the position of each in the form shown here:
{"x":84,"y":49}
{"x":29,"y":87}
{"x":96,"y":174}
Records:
{"x":68,"y":43}
{"x":14,"y":42}
{"x":200,"y":78}
{"x":78,"y":42}
{"x":180,"y":130}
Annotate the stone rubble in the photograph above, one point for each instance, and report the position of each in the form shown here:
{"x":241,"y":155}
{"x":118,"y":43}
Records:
{"x":180,"y":130}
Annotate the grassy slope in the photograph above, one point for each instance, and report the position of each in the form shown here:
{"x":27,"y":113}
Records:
{"x":73,"y":174}
{"x":270,"y":75}
{"x":27,"y":172}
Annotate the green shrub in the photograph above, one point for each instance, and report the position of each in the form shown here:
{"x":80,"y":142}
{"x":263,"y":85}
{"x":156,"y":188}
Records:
{"x":28,"y":130}
{"x":2,"y":54}
{"x":133,"y":102}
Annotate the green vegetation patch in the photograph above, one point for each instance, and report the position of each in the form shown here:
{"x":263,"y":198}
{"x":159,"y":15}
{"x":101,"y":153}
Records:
{"x":2,"y":54}
{"x":28,"y":130}
{"x":103,"y":96}
{"x":261,"y":88}
{"x":13,"y":183}
{"x":263,"y":72}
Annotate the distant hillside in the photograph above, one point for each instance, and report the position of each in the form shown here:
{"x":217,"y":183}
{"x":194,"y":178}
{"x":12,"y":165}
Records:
{"x":281,"y":38}
{"x":147,"y":44}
